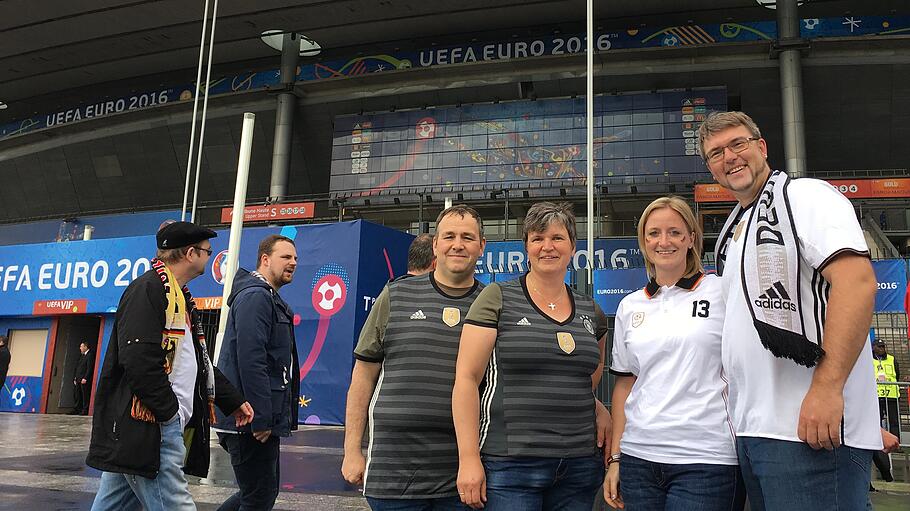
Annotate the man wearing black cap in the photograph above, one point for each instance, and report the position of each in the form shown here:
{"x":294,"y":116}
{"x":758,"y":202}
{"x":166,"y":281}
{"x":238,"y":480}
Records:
{"x":157,"y":388}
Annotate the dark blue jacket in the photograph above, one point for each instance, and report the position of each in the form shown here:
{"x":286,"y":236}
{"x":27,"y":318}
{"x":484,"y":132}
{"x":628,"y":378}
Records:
{"x":259,"y":355}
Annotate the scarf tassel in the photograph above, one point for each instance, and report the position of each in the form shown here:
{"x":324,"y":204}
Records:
{"x":786,"y":344}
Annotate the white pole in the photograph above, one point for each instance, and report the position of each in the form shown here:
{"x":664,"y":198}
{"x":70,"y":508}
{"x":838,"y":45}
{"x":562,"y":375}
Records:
{"x":205,"y":107}
{"x":189,"y":156}
{"x":590,"y":142}
{"x":233,"y":256}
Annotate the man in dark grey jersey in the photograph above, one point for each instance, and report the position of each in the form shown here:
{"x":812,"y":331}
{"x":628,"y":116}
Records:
{"x":404,"y":374}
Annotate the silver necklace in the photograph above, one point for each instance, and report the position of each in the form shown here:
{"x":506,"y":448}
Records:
{"x":552,"y":303}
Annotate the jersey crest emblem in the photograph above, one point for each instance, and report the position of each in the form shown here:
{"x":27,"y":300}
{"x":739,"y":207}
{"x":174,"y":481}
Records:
{"x":566,"y":342}
{"x":451,"y":316}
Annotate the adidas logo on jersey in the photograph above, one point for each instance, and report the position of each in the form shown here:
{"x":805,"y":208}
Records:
{"x":775,"y":298}
{"x":419,"y":315}
{"x":523,"y":322}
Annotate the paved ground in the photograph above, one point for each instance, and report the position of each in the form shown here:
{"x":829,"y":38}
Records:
{"x":42,"y":467}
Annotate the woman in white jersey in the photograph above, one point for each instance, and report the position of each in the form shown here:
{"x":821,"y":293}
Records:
{"x":673,"y":444}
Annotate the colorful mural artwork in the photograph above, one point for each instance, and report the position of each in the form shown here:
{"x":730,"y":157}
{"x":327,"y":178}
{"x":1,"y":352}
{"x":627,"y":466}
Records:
{"x":526,"y":143}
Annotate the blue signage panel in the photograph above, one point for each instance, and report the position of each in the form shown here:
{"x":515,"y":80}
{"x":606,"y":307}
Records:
{"x":327,"y":294}
{"x":891,"y":275}
{"x":611,"y":286}
{"x":509,"y":257}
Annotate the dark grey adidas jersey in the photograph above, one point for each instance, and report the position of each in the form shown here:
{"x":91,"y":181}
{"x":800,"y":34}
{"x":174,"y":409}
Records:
{"x":413,"y":452}
{"x":536,"y":397}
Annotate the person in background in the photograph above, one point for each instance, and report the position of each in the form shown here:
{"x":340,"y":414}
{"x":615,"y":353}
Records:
{"x":259,"y":357}
{"x":157,"y":388}
{"x":82,"y":380}
{"x":5,"y":358}
{"x":420,"y":256}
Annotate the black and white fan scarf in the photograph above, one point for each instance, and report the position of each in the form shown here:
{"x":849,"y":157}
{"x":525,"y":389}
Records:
{"x":769,"y":268}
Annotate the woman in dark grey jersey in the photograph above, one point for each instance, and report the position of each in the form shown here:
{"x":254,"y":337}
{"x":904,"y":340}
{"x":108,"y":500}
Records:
{"x":534,"y":348}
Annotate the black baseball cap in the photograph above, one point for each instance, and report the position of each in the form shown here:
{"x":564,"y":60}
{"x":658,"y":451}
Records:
{"x":879,"y":343}
{"x":182,"y":234}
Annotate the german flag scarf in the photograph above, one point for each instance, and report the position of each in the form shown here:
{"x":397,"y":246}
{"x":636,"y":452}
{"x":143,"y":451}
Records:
{"x":180,"y":306}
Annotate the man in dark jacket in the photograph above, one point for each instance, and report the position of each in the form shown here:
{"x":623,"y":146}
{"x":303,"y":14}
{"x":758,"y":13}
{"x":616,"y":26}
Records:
{"x":157,"y":386}
{"x":5,"y":358}
{"x":82,"y":380}
{"x":259,"y":356}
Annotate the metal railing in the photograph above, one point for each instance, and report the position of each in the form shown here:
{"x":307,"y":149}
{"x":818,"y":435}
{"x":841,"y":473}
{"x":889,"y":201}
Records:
{"x":895,"y":417}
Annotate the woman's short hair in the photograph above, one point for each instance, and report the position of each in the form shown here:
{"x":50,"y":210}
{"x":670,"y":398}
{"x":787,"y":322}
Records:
{"x":693,"y":255}
{"x":542,"y":214}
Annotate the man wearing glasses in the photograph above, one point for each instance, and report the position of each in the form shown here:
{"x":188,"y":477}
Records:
{"x":800,"y":291}
{"x":157,"y":389}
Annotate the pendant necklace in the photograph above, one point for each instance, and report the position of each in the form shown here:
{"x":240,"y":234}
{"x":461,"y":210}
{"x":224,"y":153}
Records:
{"x":551,"y":303}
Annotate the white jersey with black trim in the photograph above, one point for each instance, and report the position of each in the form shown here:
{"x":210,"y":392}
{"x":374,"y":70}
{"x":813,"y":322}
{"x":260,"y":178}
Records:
{"x":669,"y":338}
{"x":766,"y":393}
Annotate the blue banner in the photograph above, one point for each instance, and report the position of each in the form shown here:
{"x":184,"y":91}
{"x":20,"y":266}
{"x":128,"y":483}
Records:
{"x":611,"y":286}
{"x":891,"y":275}
{"x":510,"y":256}
{"x":642,"y":37}
{"x":341,"y":267}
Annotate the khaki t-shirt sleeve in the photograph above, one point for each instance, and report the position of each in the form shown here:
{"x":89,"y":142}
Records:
{"x":486,"y":308}
{"x":369,"y":345}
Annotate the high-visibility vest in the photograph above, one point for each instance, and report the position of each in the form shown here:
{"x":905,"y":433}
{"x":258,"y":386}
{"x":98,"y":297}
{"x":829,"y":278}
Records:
{"x":885,"y":371}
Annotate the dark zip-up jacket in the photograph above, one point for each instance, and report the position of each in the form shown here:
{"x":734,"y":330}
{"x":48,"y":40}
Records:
{"x":134,"y":365}
{"x":259,"y":355}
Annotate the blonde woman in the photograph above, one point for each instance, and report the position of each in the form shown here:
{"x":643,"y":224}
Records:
{"x":673,"y":445}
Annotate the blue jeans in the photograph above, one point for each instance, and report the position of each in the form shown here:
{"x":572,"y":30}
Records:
{"x":257,"y":470}
{"x":783,"y":475}
{"x":166,"y":492}
{"x":441,"y":504}
{"x":649,"y":486}
{"x":536,"y":484}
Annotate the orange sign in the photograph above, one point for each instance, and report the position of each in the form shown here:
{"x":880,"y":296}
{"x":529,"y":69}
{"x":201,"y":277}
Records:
{"x":267,"y":212}
{"x":894,"y":187}
{"x":208,"y":302}
{"x":897,"y":187}
{"x":55,"y":307}
{"x":712,"y":193}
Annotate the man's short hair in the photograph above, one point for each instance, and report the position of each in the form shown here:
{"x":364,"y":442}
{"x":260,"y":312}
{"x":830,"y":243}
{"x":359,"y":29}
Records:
{"x":172,"y":255}
{"x":267,"y":246}
{"x":719,"y":121}
{"x":4,"y":340}
{"x":420,"y":253}
{"x":542,"y":214}
{"x":461,"y":210}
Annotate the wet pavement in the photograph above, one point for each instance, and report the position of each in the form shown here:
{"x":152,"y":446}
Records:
{"x":42,"y":466}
